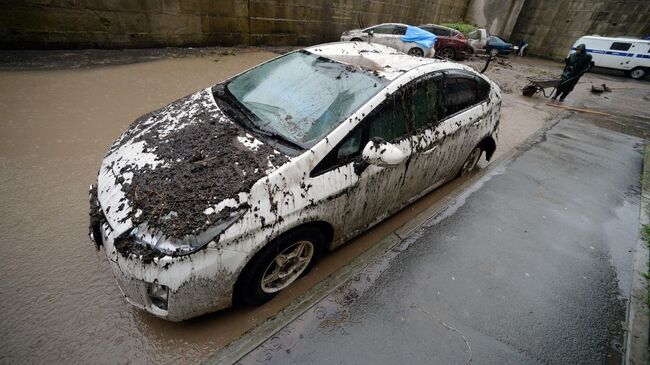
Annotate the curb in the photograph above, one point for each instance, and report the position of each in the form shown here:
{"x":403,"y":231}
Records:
{"x":256,"y":336}
{"x":636,"y":338}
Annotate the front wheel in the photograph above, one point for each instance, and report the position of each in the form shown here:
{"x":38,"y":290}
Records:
{"x":471,"y":161}
{"x":278,"y":265}
{"x":356,"y":40}
{"x":417,"y":52}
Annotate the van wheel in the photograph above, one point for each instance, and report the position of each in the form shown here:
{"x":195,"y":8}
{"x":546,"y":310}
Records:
{"x":471,"y":161}
{"x":278,"y":265}
{"x":417,"y":52}
{"x":637,"y":73}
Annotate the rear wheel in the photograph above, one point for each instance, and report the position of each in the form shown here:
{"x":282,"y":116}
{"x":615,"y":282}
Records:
{"x":417,"y":52}
{"x":448,"y":53}
{"x":471,"y":161}
{"x":637,"y":73}
{"x":494,"y":51}
{"x":278,"y":265}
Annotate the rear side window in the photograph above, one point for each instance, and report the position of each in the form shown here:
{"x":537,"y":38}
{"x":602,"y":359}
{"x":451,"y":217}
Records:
{"x":459,"y":93}
{"x":483,"y":90}
{"x":399,"y":30}
{"x":620,"y":46}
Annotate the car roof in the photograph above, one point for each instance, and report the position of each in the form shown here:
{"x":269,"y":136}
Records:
{"x":622,"y":38}
{"x":384,"y":60}
{"x":376,"y":25}
{"x":439,"y":26}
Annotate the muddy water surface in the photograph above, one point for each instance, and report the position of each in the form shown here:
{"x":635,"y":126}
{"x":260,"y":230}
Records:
{"x":60,"y":301}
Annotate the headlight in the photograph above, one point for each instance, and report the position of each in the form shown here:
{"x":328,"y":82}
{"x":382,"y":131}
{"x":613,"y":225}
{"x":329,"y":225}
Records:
{"x":143,"y":235}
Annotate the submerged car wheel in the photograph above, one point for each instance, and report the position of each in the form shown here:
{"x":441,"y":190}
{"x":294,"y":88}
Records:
{"x":471,"y":161}
{"x":356,"y":40}
{"x":447,"y":53}
{"x":417,"y":52}
{"x":278,"y":265}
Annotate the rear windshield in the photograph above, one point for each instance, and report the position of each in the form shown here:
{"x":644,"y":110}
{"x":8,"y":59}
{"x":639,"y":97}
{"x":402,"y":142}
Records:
{"x":302,"y":96}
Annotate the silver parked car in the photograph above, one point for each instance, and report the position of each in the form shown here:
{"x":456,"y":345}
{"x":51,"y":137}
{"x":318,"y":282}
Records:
{"x":388,"y":34}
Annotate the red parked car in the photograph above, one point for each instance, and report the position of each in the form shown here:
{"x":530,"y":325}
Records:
{"x":450,"y":44}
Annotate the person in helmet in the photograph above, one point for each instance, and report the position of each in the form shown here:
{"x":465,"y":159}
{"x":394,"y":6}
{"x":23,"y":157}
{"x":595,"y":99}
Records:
{"x":577,"y":64}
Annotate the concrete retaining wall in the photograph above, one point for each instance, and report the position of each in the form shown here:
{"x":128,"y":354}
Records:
{"x":152,"y":23}
{"x":552,"y":26}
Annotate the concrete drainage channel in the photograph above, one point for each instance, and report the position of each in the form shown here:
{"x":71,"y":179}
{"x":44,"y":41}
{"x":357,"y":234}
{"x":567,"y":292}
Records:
{"x":257,"y":336}
{"x":636,"y":341}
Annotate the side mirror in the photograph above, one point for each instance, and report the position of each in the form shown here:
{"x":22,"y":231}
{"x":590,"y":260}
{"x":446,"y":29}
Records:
{"x":381,"y":153}
{"x":371,"y":33}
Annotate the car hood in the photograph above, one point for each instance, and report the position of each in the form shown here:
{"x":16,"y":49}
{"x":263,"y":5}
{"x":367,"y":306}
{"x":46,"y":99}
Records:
{"x":182,"y":169}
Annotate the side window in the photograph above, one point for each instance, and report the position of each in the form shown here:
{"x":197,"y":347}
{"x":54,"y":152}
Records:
{"x":399,"y":30}
{"x":343,"y":154}
{"x":426,"y":103}
{"x":620,"y":46}
{"x":351,"y":146}
{"x":383,"y":29}
{"x":483,"y":90}
{"x":459,"y":93}
{"x":389,"y":122}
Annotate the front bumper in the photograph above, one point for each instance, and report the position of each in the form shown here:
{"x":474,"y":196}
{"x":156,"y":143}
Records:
{"x":197,"y":284}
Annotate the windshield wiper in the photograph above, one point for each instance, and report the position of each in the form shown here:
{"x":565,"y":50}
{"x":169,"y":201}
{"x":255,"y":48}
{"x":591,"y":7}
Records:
{"x":238,"y":112}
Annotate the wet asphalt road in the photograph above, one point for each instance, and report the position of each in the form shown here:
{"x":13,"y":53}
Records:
{"x":530,"y":265}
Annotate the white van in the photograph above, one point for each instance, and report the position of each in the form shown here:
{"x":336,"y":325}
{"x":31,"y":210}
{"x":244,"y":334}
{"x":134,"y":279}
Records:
{"x":630,"y":55}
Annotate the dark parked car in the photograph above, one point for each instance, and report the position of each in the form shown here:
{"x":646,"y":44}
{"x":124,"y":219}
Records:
{"x":496,"y":45}
{"x":450,"y":44}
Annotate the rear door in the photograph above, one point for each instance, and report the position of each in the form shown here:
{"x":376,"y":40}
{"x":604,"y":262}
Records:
{"x":463,"y":124}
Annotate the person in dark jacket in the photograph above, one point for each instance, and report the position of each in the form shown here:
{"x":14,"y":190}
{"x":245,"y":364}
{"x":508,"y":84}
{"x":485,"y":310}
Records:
{"x":576,"y":65}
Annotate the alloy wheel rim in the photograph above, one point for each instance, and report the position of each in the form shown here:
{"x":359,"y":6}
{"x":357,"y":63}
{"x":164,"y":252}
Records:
{"x":287,"y":266}
{"x":472,"y":160}
{"x":447,"y":53}
{"x":415,"y":52}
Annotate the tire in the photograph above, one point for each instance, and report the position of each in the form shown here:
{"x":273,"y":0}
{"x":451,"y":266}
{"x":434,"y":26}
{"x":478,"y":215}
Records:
{"x":448,"y":53}
{"x":493,"y":51}
{"x":356,"y":40}
{"x":256,"y":286}
{"x":471,"y":161}
{"x":638,"y":73}
{"x":416,"y":52}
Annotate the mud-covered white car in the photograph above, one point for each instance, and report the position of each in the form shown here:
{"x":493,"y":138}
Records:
{"x":230,"y":194}
{"x":388,"y":34}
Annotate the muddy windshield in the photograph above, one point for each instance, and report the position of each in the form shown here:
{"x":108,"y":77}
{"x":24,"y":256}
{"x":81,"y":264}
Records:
{"x":302,"y":97}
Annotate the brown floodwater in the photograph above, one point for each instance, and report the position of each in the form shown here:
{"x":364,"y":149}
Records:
{"x":60,"y":301}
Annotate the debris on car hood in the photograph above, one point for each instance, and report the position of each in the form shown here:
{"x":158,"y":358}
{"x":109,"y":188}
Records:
{"x":182,"y":169}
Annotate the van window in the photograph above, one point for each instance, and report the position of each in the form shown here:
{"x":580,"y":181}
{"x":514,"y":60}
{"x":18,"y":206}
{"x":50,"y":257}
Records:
{"x":620,"y":46}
